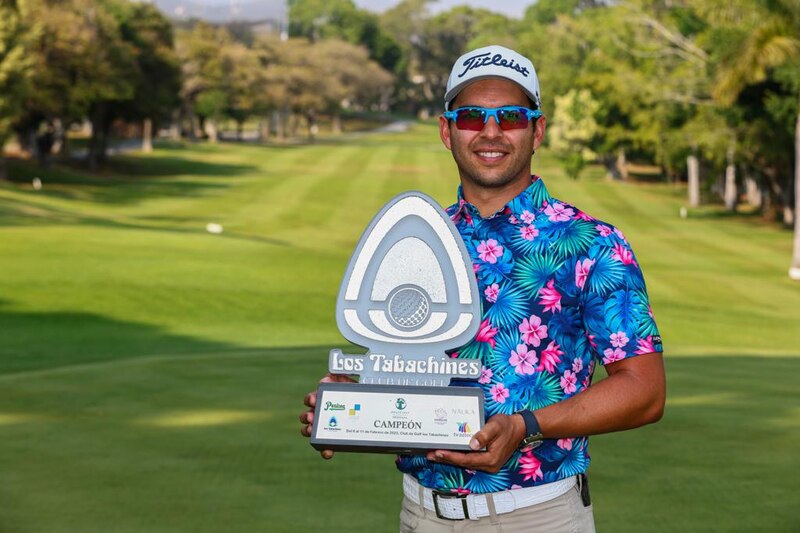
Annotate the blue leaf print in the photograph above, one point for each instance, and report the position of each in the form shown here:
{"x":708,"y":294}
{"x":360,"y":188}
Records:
{"x":534,"y":391}
{"x":622,"y":311}
{"x":482,"y":482}
{"x":510,"y":308}
{"x":533,"y":273}
{"x":607,"y":274}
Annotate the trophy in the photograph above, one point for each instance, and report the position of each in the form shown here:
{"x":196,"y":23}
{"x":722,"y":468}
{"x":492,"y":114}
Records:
{"x":408,"y":296}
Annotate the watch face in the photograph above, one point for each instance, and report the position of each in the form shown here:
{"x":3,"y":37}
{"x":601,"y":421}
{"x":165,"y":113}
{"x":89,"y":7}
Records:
{"x":530,"y":442}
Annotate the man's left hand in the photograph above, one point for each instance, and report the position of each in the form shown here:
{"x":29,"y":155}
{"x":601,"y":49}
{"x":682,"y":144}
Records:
{"x":500,"y":436}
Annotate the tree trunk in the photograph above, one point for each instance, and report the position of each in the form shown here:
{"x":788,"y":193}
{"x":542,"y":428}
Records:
{"x":263,"y":129}
{"x":239,"y":130}
{"x":730,"y":181}
{"x":752,"y":191}
{"x":337,"y":122}
{"x":622,"y":164}
{"x":3,"y":168}
{"x":96,"y":144}
{"x":693,"y":166}
{"x":211,"y":130}
{"x":794,"y":270}
{"x":147,"y":136}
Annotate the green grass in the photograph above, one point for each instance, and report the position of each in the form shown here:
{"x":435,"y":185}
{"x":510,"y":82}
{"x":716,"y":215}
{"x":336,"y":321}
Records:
{"x":151,"y":373}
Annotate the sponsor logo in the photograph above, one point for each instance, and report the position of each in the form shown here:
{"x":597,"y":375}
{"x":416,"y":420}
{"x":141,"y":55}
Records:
{"x":463,"y":427}
{"x":486,"y":59}
{"x":355,"y":410}
{"x":462,"y":412}
{"x":400,"y":403}
{"x":332,"y":423}
{"x":334,"y":406}
{"x":440,"y":416}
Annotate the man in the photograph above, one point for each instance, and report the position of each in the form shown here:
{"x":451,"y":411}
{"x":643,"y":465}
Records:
{"x":562,"y":291}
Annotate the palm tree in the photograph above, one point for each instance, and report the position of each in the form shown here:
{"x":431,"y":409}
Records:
{"x":773,"y":42}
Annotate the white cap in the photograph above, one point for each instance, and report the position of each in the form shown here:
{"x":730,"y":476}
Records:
{"x":493,"y":62}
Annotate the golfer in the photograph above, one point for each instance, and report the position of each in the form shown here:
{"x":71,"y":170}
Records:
{"x":562,"y":292}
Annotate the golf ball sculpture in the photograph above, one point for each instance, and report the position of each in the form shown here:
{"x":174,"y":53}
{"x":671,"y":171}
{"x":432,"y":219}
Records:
{"x":409,"y":307}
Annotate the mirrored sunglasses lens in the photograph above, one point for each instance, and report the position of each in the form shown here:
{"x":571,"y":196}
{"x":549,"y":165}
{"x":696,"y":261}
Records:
{"x":470,"y":119}
{"x":513,"y":119}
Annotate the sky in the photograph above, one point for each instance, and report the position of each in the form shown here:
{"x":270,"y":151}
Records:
{"x":509,"y":7}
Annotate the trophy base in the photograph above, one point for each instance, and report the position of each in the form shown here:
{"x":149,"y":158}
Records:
{"x":353,"y":417}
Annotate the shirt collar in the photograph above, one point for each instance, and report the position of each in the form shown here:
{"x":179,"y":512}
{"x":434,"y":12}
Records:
{"x":535,"y":197}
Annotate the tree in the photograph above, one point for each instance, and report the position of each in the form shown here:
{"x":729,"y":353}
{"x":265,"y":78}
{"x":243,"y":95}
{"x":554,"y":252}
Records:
{"x":771,"y":40}
{"x":15,"y":67}
{"x":573,"y":130}
{"x":156,"y":77}
{"x":343,"y":20}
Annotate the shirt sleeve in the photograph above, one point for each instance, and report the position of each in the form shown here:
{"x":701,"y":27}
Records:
{"x":616,"y":309}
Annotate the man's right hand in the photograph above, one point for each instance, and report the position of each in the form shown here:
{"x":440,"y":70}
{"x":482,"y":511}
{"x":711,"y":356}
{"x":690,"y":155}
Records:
{"x":307,"y":417}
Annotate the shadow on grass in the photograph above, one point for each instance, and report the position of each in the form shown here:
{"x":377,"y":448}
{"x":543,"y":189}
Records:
{"x":129,"y":181}
{"x":37,"y":341}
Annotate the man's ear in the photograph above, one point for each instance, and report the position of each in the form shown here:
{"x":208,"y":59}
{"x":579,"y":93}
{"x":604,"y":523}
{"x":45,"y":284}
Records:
{"x":538,"y":133}
{"x":444,"y":131}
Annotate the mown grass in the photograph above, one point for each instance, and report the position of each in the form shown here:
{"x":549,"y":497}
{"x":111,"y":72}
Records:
{"x":151,"y":373}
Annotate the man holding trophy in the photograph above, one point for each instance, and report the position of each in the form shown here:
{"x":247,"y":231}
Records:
{"x":548,"y":293}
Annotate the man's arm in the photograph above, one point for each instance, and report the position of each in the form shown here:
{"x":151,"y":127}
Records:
{"x":632,"y":395}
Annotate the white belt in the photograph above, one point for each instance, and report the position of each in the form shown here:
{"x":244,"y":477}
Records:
{"x":474,"y":506}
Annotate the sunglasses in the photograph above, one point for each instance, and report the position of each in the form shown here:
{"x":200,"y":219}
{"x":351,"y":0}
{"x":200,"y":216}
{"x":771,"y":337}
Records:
{"x":510,"y":117}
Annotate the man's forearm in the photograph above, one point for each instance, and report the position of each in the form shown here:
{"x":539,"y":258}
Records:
{"x":631,"y":396}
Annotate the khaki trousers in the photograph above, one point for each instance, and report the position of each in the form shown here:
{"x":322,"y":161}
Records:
{"x":563,"y":514}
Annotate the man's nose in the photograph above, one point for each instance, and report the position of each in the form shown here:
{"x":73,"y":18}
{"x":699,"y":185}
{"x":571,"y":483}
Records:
{"x":491,"y":129}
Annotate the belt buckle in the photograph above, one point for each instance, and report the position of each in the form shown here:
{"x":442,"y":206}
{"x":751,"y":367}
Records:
{"x":450,"y":496}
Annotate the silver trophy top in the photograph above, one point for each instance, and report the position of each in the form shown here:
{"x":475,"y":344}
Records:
{"x":408,"y":295}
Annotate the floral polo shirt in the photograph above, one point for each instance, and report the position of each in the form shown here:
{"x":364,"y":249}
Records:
{"x":561,"y":291}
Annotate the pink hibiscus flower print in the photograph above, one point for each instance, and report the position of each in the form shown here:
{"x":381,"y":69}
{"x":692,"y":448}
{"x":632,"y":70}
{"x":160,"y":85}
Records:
{"x":623,"y":255}
{"x":528,"y":232}
{"x":489,"y":251}
{"x":619,"y":339}
{"x":565,"y":444}
{"x":613,"y":355}
{"x":523,"y":360}
{"x":486,"y":333}
{"x":551,"y":356}
{"x":551,"y":298}
{"x":568,"y":381}
{"x":619,"y":234}
{"x":583,"y":216}
{"x":577,"y":365}
{"x":645,"y":345}
{"x":582,"y":271}
{"x":527,"y":217}
{"x":513,"y":219}
{"x":604,"y":230}
{"x":499,"y":393}
{"x":475,"y":267}
{"x":559,"y":212}
{"x":486,"y":375}
{"x":532,"y":330}
{"x":530,"y":467}
{"x":491,"y":292}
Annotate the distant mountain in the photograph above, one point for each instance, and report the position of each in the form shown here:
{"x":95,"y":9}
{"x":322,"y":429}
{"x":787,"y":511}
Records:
{"x":234,"y":10}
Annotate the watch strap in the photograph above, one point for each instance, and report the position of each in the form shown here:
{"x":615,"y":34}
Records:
{"x":531,"y":424}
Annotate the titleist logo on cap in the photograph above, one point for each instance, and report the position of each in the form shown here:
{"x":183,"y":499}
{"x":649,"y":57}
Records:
{"x":482,"y":60}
